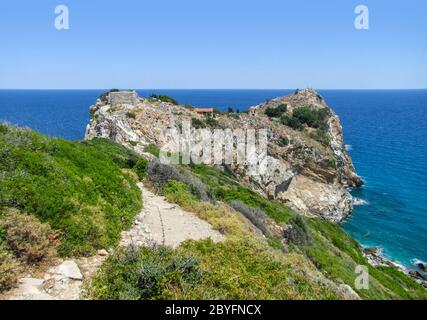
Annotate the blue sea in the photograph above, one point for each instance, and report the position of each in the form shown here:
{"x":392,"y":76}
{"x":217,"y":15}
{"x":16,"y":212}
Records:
{"x":385,"y":132}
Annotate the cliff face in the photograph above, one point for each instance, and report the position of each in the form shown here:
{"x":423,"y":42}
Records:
{"x":307,"y":165}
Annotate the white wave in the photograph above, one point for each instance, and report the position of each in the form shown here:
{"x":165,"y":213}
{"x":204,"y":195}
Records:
{"x":348,"y":147}
{"x":360,"y":202}
{"x":416,"y":262}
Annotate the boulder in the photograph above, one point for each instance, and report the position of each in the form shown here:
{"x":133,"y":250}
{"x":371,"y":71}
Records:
{"x":32,"y":282}
{"x":422,"y":266}
{"x":102,"y":253}
{"x":69,"y":269}
{"x":370,"y":251}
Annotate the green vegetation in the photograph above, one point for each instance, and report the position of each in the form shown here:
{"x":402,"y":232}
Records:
{"x":225,"y":187}
{"x":241,"y":267}
{"x":245,"y":265}
{"x":153,"y":149}
{"x":312,"y":118}
{"x":79,"y":188}
{"x":9,"y":268}
{"x":283,"y":142}
{"x":141,"y":168}
{"x":299,"y":233}
{"x":72,"y":198}
{"x":197,"y":123}
{"x":28,"y":238}
{"x":164,"y":98}
{"x":146,"y":274}
{"x":208,"y":122}
{"x":336,"y":254}
{"x":277,"y":111}
{"x":131,"y":115}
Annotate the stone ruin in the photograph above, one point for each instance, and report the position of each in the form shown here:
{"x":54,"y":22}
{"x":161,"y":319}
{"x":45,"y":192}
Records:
{"x":123,"y":97}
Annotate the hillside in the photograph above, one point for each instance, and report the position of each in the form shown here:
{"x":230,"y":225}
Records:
{"x":81,"y":201}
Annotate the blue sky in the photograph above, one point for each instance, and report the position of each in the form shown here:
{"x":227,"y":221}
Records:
{"x":213,"y":44}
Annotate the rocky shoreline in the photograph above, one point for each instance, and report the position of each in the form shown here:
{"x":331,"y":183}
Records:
{"x":377,"y":258}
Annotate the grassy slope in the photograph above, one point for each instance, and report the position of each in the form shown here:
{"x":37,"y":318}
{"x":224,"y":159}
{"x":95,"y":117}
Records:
{"x":79,"y":188}
{"x":241,"y":267}
{"x":334,"y":252}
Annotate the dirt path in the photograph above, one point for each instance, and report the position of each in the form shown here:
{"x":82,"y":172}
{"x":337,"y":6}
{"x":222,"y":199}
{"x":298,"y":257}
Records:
{"x":160,"y":222}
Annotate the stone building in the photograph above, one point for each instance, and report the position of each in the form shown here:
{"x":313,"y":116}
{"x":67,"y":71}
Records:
{"x":123,"y":97}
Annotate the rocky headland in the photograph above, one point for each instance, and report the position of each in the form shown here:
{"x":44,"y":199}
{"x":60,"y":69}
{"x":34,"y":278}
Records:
{"x":307,"y":164}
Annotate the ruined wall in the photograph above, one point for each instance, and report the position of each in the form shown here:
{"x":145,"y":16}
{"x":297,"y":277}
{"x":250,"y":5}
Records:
{"x":123,"y":97}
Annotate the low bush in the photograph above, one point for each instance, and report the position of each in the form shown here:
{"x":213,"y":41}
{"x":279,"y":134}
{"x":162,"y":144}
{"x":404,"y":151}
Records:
{"x":314,"y":118}
{"x":164,"y":98}
{"x":197,"y":123}
{"x":153,"y":149}
{"x":276,"y":112}
{"x":120,"y":155}
{"x":321,"y":136}
{"x":254,"y":215}
{"x":298,"y":233}
{"x":79,"y":188}
{"x":9,"y":269}
{"x":141,"y":168}
{"x":160,"y":174}
{"x":142,"y":274}
{"x":131,"y":115}
{"x":283,"y":142}
{"x":29,"y":239}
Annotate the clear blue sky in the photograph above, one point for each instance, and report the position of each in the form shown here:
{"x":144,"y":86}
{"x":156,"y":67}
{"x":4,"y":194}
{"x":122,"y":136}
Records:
{"x":213,"y":44}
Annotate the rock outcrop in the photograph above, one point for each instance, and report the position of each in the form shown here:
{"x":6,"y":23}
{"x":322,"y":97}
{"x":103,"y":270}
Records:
{"x":311,"y":175}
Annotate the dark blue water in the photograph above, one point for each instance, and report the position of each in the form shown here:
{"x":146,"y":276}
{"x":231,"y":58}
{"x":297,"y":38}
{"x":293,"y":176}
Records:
{"x":387,"y":132}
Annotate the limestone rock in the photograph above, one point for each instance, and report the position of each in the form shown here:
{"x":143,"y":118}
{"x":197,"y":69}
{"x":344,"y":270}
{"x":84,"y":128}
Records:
{"x":309,"y":176}
{"x":32,"y":282}
{"x":68,"y":269}
{"x":102,"y":252}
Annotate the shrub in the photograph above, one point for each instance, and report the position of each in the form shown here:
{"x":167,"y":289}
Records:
{"x":146,"y":274}
{"x":29,"y":239}
{"x":292,"y":122}
{"x":283,"y":142}
{"x":133,"y":143}
{"x":160,"y":174}
{"x":164,"y":98}
{"x":120,"y":155}
{"x":212,"y":123}
{"x":9,"y":269}
{"x":321,"y":136}
{"x":314,"y":118}
{"x":254,"y":215}
{"x":78,"y":188}
{"x":197,"y":123}
{"x":141,"y":168}
{"x":131,"y":115}
{"x":298,"y":233}
{"x":153,"y":149}
{"x":277,"y":111}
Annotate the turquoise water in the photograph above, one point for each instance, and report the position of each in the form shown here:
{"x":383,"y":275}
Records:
{"x":386,"y":133}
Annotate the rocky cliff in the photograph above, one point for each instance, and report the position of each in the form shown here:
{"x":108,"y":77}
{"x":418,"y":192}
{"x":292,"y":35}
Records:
{"x":307,"y":165}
